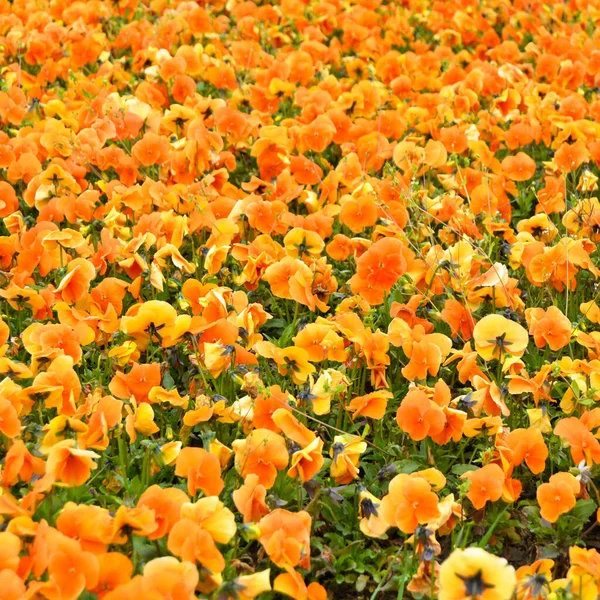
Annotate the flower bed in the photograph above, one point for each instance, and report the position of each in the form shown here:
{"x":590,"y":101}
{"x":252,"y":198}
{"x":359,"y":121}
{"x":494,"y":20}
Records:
{"x":299,"y":299}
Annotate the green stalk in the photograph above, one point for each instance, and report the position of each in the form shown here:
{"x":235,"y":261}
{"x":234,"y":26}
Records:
{"x":123,"y":458}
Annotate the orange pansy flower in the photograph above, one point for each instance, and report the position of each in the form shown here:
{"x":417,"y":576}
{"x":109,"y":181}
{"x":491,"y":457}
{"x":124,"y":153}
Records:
{"x":201,"y":469}
{"x":528,"y":446}
{"x":520,"y":167}
{"x":419,"y":416}
{"x":262,"y":453}
{"x":496,"y":337}
{"x":409,"y":503}
{"x":558,"y":496}
{"x":69,"y":465}
{"x":486,"y":485}
{"x":549,"y":326}
{"x":249,"y":499}
{"x":285,"y":537}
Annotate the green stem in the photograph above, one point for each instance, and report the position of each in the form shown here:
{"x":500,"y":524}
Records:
{"x":123,"y":458}
{"x":488,"y":534}
{"x":146,"y":469}
{"x":403,"y":577}
{"x":385,"y":576}
{"x":299,"y":493}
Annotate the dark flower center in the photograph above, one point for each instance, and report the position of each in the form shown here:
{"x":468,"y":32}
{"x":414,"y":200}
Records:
{"x":501,"y":342}
{"x":537,"y":583}
{"x":475,"y":585}
{"x":338,"y":448}
{"x":368,"y":507}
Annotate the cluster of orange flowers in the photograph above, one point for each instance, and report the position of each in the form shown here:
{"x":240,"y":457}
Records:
{"x":260,"y":260}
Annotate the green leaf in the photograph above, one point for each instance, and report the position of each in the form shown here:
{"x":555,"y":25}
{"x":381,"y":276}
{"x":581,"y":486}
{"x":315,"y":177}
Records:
{"x":361,"y":583}
{"x":550,"y":551}
{"x":274,"y":324}
{"x":168,"y":381}
{"x":584,"y":509}
{"x":408,"y":466}
{"x":462,"y":469}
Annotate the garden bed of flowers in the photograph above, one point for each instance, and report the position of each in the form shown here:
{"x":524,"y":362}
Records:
{"x":299,"y":298}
